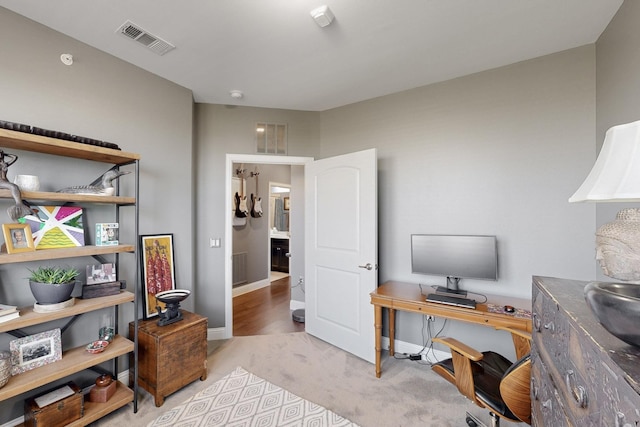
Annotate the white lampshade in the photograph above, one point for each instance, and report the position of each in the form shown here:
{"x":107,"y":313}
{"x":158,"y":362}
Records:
{"x":616,"y":173}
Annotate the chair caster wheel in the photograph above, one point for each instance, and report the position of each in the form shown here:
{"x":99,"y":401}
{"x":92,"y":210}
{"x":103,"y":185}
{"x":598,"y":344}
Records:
{"x":473,"y":421}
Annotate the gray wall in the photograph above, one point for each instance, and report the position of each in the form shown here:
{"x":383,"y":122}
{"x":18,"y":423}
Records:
{"x":617,"y":86}
{"x":220,"y":130}
{"x":253,"y":237}
{"x":497,"y":152}
{"x":103,"y":98}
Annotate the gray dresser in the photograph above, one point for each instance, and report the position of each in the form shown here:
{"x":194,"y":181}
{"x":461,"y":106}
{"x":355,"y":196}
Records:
{"x":581,"y":374}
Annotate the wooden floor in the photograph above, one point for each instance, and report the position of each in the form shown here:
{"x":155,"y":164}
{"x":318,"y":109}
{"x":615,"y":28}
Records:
{"x":265,"y":311}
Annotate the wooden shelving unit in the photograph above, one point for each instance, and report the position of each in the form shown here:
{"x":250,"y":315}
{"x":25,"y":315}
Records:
{"x":61,"y":253}
{"x":75,"y":359}
{"x":58,"y":147}
{"x":28,"y":317}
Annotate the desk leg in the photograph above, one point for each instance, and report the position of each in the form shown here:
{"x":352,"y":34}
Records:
{"x":392,"y":331}
{"x":377,"y":310}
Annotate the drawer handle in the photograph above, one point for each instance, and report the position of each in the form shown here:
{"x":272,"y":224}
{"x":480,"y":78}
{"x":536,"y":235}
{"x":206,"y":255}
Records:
{"x":547,"y":404}
{"x":620,"y":420}
{"x":537,"y":322}
{"x":579,"y":393}
{"x":534,"y":389}
{"x":550,"y":326}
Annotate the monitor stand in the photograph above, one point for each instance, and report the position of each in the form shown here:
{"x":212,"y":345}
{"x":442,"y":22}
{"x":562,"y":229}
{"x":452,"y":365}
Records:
{"x":452,"y":288}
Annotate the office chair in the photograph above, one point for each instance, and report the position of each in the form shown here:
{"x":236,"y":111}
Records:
{"x":490,"y":380}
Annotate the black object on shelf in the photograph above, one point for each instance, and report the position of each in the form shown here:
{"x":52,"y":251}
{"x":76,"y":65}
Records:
{"x":172,"y":299}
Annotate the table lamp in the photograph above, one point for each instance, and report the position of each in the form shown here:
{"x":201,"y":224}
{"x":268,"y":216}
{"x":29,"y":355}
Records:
{"x":615,"y":177}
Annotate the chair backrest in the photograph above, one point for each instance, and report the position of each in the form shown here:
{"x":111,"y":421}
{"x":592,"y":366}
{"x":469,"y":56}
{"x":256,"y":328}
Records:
{"x":515,"y":388}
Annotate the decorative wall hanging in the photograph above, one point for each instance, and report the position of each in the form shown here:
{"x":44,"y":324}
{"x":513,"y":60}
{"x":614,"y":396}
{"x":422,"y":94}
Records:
{"x":56,"y":226}
{"x":158,"y":270}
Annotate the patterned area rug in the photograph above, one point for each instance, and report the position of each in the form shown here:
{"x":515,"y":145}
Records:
{"x":243,"y":399}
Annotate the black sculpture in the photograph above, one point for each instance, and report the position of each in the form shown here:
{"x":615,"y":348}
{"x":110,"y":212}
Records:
{"x":172,"y":300}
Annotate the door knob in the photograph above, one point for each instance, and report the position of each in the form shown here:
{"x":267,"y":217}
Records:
{"x":368,"y":266}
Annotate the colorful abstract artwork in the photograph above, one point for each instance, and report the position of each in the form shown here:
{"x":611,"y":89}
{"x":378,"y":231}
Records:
{"x":56,"y":226}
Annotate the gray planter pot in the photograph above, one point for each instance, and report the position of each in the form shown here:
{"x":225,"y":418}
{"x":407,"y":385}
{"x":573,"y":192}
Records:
{"x":48,"y":293}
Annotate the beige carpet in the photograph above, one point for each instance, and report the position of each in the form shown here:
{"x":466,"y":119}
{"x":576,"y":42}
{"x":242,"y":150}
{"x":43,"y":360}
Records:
{"x":407,"y":394}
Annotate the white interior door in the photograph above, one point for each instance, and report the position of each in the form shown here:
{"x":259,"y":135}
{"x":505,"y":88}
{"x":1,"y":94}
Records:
{"x":341,"y":250}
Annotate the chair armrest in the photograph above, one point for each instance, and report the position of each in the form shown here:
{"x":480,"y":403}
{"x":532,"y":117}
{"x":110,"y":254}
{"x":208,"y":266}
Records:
{"x":521,"y":340}
{"x":513,"y":331}
{"x":465,"y":350}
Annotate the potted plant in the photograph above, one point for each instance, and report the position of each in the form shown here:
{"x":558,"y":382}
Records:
{"x":52,"y":285}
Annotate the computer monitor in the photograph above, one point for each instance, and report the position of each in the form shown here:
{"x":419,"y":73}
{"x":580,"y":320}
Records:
{"x":454,"y":257}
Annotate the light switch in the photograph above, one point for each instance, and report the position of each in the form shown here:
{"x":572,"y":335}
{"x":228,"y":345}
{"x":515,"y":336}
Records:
{"x":214,"y":243}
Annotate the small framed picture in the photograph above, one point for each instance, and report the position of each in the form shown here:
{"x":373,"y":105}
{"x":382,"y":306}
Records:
{"x":34,"y":351}
{"x":101,"y":273}
{"x":287,"y":204}
{"x":107,"y":234}
{"x":18,"y":238}
{"x":158,"y":270}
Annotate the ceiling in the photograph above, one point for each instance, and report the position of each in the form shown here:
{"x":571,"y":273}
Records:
{"x":273,"y":51}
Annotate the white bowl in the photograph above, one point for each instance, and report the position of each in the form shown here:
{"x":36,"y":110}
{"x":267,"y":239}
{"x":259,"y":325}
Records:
{"x":27,"y":182}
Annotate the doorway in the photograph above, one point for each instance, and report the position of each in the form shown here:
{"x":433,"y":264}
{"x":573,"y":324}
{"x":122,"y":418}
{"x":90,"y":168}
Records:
{"x":279,"y":229}
{"x":296,"y":222}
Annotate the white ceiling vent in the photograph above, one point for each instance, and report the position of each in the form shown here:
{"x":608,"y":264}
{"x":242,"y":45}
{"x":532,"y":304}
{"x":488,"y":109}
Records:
{"x":153,"y":43}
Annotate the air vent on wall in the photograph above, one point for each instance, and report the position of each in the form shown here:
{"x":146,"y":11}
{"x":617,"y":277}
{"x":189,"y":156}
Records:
{"x":153,"y":43}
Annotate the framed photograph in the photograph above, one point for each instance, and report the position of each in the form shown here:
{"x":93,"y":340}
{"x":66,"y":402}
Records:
{"x":287,"y":205}
{"x":101,"y":273}
{"x":158,"y":270}
{"x":35,"y":350}
{"x":18,"y":238}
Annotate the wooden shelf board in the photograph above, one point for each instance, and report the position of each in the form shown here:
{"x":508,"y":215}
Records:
{"x":69,"y":198}
{"x":60,"y":147}
{"x":47,"y":254}
{"x":94,"y":411}
{"x":28,"y":317}
{"x":73,"y":360}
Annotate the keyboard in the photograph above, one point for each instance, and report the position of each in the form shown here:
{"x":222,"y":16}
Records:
{"x":449,"y":300}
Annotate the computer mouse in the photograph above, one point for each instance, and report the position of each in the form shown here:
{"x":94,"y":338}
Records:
{"x":509,"y":309}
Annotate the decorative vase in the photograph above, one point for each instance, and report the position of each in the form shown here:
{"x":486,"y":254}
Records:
{"x":5,"y":367}
{"x":51,"y":293}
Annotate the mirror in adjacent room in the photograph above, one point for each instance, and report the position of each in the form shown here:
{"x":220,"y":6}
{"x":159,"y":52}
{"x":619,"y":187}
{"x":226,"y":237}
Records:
{"x":279,"y":207}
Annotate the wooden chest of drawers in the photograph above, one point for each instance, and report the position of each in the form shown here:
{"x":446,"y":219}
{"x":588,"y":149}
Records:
{"x":581,"y":374}
{"x":172,"y":356}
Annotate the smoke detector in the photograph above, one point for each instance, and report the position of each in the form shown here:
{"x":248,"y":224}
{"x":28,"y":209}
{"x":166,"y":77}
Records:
{"x":236,"y":94}
{"x":151,"y":42}
{"x":322,"y":15}
{"x":66,"y":58}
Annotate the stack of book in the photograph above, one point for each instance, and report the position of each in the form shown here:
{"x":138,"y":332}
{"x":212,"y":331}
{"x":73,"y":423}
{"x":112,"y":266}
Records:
{"x":8,"y":312}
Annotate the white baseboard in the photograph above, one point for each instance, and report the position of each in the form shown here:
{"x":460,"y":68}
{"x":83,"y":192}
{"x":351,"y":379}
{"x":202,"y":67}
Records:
{"x":409,"y":348}
{"x":214,"y":334}
{"x":295,"y":305}
{"x":249,"y":287}
{"x":13,"y":423}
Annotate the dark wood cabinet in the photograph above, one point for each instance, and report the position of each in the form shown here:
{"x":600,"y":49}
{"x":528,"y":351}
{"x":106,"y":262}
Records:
{"x":279,"y":258}
{"x":171,"y":356}
{"x":581,"y":374}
